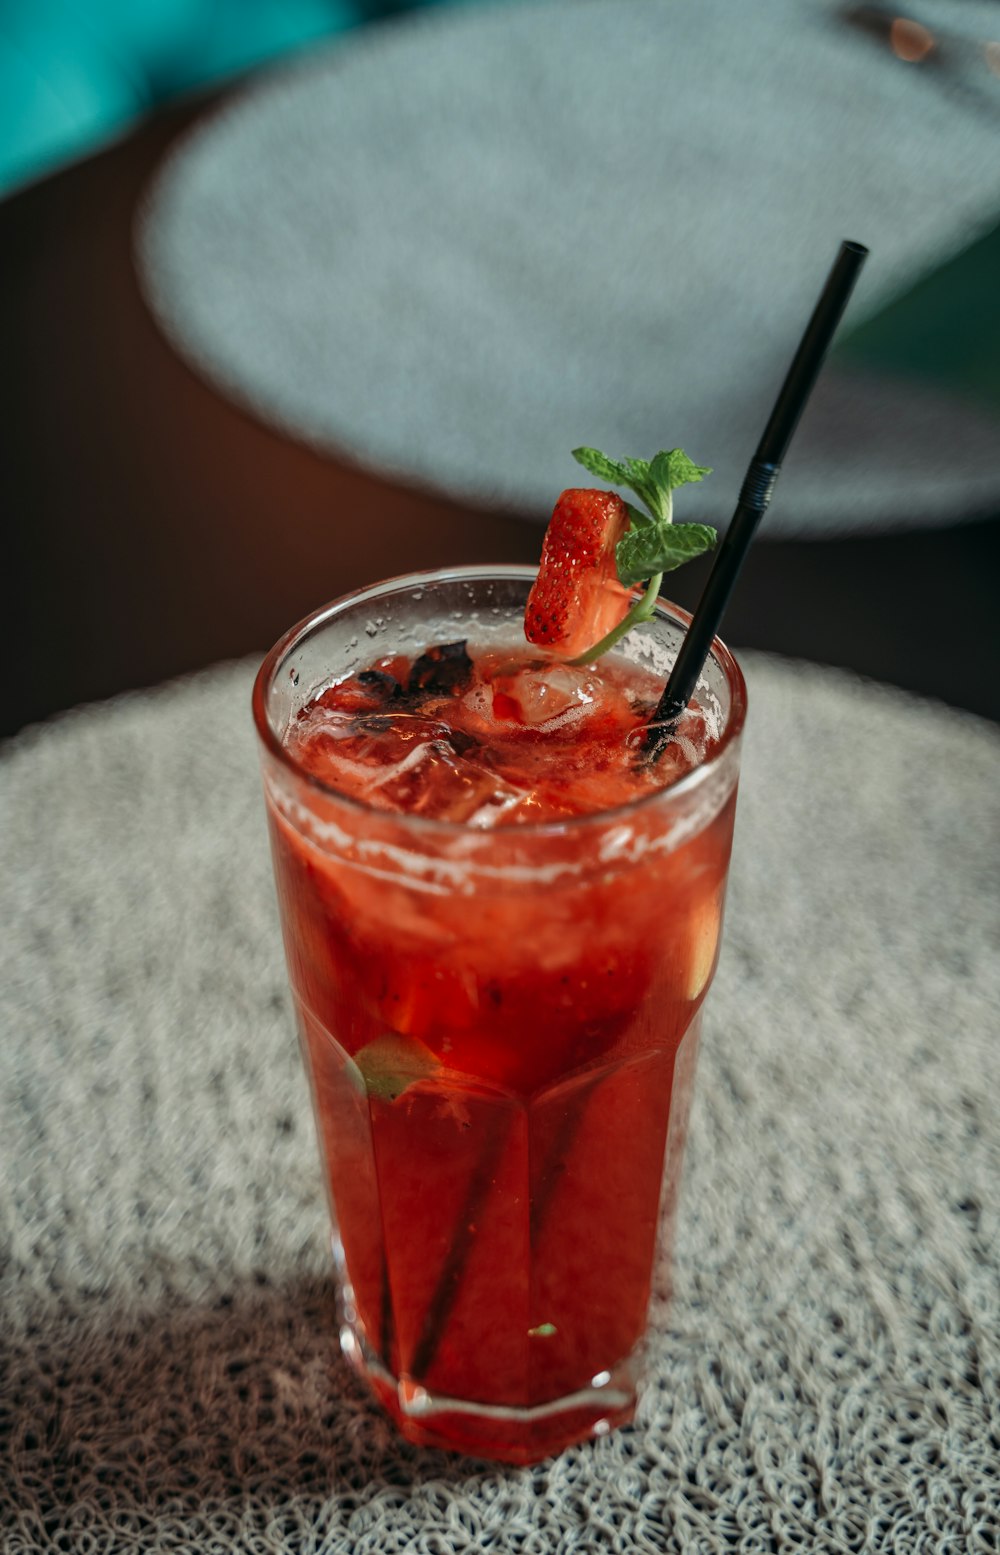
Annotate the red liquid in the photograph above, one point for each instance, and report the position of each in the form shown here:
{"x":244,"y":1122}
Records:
{"x":497,"y":1069}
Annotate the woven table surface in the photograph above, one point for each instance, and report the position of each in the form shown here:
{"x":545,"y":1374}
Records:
{"x":828,"y":1375}
{"x":458,"y":246}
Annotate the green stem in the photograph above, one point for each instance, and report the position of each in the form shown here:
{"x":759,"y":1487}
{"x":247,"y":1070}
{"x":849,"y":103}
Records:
{"x":642,"y":610}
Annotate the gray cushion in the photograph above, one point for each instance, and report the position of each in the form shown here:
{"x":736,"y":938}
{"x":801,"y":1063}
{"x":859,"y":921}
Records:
{"x":463,"y":244}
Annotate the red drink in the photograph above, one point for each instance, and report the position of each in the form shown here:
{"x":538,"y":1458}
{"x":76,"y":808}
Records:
{"x":500,"y":928}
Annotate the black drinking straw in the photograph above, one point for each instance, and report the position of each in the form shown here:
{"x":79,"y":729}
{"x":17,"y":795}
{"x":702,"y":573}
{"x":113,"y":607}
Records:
{"x":755,"y":493}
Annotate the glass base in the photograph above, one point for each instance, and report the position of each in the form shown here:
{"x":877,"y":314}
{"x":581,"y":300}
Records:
{"x":499,"y":1432}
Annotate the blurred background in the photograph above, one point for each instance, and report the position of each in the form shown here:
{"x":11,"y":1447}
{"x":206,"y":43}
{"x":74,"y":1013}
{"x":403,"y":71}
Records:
{"x":164,"y":512}
{"x":75,"y":76}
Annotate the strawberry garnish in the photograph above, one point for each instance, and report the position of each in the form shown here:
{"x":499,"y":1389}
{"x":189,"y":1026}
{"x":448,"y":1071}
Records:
{"x":577,"y":598}
{"x":597,"y":548}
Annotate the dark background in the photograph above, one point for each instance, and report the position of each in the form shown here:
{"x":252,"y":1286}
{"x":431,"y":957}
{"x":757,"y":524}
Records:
{"x":152,"y":528}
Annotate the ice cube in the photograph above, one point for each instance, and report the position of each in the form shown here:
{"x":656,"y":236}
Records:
{"x":433,"y":780}
{"x":541,"y":694}
{"x":381,"y":736}
{"x":356,"y":751}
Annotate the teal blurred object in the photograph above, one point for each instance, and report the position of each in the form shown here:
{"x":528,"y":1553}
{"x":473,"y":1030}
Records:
{"x":944,"y":330}
{"x":75,"y":75}
{"x":57,"y":98}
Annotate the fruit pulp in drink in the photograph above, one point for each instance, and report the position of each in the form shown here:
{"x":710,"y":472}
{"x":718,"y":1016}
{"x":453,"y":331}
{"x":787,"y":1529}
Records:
{"x":501,"y":1051}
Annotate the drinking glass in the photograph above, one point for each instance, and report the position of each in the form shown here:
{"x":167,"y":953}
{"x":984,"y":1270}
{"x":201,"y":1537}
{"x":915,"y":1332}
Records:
{"x":500,"y":1029}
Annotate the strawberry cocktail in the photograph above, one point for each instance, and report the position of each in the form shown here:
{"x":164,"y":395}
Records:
{"x":501,"y":917}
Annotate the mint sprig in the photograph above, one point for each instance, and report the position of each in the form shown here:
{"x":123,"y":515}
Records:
{"x":652,"y":480}
{"x":642,"y":552}
{"x":653,"y":544}
{"x":390,"y":1064}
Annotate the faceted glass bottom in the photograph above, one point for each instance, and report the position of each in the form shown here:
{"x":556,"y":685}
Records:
{"x":495,"y":1251}
{"x":500,"y":1432}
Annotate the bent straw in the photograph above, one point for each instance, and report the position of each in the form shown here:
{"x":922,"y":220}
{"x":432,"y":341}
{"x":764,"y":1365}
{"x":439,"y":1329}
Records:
{"x":755,"y":493}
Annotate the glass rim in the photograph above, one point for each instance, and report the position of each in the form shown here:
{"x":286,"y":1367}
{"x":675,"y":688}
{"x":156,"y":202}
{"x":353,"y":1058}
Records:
{"x":479,"y":572}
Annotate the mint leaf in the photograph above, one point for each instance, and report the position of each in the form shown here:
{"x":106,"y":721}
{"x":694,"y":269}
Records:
{"x":638,"y":517}
{"x":672,"y":468}
{"x":634,"y":473}
{"x":392,"y":1063}
{"x":651,"y":480}
{"x":655,"y":548}
{"x":611,"y":470}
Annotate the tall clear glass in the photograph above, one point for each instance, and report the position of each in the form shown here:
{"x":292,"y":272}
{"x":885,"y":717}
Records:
{"x":500,"y":1030}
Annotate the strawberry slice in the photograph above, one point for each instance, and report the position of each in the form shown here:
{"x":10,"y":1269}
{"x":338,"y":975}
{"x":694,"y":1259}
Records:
{"x":577,"y":598}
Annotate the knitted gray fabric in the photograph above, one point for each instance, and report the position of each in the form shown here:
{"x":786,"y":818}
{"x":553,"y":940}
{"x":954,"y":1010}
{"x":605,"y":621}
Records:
{"x":828,"y":1377}
{"x":459,"y":246}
